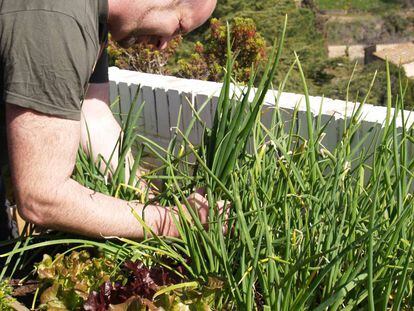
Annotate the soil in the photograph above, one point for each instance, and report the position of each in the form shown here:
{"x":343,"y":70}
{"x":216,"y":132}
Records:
{"x":24,"y":290}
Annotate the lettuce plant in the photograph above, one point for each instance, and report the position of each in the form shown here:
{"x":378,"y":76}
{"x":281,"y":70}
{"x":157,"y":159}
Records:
{"x":66,"y":281}
{"x":6,"y":299}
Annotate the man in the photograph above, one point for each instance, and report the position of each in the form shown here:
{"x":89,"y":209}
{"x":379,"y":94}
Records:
{"x":48,"y":53}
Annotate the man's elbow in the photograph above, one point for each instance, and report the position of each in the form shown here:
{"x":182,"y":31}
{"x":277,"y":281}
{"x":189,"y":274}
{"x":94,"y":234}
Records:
{"x":36,"y":207}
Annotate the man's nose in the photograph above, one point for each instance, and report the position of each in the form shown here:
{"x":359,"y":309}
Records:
{"x":163,"y":42}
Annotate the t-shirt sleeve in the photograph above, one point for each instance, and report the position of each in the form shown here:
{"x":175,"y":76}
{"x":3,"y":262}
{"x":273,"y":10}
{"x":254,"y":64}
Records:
{"x":100,"y":74}
{"x":47,"y":61}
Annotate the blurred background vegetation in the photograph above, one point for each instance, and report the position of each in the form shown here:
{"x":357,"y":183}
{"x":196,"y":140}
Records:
{"x":255,"y":25}
{"x":366,"y":5}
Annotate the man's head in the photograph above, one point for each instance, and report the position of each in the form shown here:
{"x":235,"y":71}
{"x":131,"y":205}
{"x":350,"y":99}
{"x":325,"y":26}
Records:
{"x":155,"y":21}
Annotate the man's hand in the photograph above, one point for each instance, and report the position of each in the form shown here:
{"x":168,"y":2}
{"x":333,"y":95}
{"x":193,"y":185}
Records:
{"x":200,"y":204}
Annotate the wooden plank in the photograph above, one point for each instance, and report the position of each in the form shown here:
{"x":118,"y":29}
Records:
{"x":410,"y":151}
{"x":162,"y":142}
{"x":124,"y":100}
{"x":355,"y":140}
{"x":340,"y":124}
{"x":410,"y":146}
{"x":267,"y":115}
{"x":205,"y":114}
{"x":330,"y":132}
{"x":150,"y":113}
{"x":302,"y":122}
{"x":286,"y":116}
{"x":186,"y":101}
{"x":174,"y":106}
{"x":213,"y":106}
{"x":113,"y":92}
{"x":114,"y":100}
{"x":266,"y":118}
{"x":371,"y":134}
{"x":136,"y":94}
{"x":163,"y":117}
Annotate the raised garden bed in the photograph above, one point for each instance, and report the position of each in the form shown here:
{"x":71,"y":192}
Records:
{"x":308,"y":226}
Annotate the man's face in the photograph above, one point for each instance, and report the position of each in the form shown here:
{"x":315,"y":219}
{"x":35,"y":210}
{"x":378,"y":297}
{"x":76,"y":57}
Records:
{"x":158,"y":21}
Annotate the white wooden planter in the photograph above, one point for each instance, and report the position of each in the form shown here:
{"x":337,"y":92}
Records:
{"x":165,"y":95}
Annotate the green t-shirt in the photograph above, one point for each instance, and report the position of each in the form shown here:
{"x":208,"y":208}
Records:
{"x":48,"y":51}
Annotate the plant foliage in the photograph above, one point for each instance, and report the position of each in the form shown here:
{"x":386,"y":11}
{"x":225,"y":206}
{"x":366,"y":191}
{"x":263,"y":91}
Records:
{"x":307,"y":226}
{"x":207,"y":61}
{"x":68,"y":280}
{"x":143,"y":57}
{"x":6,"y":299}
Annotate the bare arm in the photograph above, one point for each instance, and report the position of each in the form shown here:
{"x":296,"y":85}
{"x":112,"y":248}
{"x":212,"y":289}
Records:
{"x":100,"y":131}
{"x":42,"y":155}
{"x":99,"y":124}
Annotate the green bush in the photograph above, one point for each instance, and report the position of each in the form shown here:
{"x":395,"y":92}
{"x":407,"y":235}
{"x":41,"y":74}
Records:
{"x":362,"y":5}
{"x":208,"y":59}
{"x":143,"y":57}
